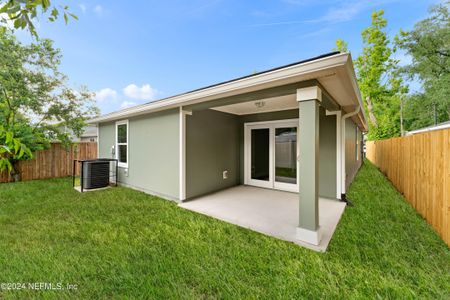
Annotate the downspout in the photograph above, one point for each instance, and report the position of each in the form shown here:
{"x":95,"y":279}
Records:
{"x":344,"y":174}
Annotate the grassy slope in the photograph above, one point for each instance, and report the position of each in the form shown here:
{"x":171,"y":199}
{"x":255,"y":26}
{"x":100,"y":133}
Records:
{"x":120,"y":242}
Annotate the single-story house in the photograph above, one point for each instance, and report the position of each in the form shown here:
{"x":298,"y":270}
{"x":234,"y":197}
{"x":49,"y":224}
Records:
{"x":295,"y":128}
{"x":89,"y":134}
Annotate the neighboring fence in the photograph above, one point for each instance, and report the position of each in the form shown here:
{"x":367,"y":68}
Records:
{"x":286,"y":154}
{"x":419,"y":167}
{"x":54,"y":162}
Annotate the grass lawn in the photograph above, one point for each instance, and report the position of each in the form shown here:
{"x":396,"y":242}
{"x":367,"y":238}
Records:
{"x":123,"y":243}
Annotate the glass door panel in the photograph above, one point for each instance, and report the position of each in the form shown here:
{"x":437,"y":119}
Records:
{"x":260,"y":157}
{"x":271,"y":155}
{"x":286,"y":155}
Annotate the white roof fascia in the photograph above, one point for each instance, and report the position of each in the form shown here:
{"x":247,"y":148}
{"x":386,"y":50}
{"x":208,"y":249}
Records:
{"x":211,"y":93}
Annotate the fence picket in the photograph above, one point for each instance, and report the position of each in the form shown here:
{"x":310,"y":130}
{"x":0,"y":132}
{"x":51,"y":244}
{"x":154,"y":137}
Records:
{"x":419,"y":167}
{"x":52,"y":163}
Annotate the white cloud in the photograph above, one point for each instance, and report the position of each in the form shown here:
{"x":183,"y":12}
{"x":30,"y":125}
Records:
{"x":106,"y":94}
{"x":342,"y":11}
{"x":98,"y":9}
{"x":348,"y":10}
{"x":109,"y":99}
{"x":126,"y":104}
{"x":145,"y":92}
{"x":82,"y":7}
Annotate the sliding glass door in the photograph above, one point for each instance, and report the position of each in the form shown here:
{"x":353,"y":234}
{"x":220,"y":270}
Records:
{"x":285,"y":158}
{"x":271,"y":154}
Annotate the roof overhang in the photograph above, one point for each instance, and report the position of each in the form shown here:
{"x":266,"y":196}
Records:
{"x":335,"y":73}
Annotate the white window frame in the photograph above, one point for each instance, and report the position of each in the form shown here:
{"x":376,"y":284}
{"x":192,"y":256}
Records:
{"x":121,"y":164}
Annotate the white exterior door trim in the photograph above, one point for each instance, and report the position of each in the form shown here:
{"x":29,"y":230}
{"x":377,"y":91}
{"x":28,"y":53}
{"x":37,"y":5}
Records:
{"x":272,"y":183}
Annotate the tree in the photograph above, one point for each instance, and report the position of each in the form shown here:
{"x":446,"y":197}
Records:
{"x":428,"y":43}
{"x":381,"y":85}
{"x":22,"y":13}
{"x":11,"y":149}
{"x":36,"y":104}
{"x":341,"y":46}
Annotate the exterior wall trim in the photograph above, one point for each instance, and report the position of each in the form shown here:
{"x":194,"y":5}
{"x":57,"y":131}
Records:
{"x":116,"y":150}
{"x":182,"y":152}
{"x":270,"y":122}
{"x":271,"y":125}
{"x":98,"y":140}
{"x":309,"y":93}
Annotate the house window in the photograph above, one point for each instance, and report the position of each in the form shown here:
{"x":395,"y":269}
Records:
{"x":122,"y":143}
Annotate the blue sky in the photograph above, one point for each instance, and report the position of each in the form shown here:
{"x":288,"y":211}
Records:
{"x":132,"y":52}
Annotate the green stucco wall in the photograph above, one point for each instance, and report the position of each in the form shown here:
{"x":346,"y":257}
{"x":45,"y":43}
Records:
{"x":153,"y":164}
{"x":351,"y":163}
{"x":327,"y":155}
{"x":214,"y":143}
{"x":212,"y":146}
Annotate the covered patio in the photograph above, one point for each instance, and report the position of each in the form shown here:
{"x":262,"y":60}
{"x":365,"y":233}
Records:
{"x":275,"y":151}
{"x":276,"y":143}
{"x":270,"y":212}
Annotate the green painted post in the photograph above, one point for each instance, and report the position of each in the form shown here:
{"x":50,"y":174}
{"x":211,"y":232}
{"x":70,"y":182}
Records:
{"x":309,"y":164}
{"x":309,"y":102}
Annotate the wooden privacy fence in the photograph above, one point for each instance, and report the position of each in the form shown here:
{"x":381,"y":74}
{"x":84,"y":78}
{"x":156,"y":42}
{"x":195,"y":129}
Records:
{"x":419,"y":167}
{"x":57,"y":161}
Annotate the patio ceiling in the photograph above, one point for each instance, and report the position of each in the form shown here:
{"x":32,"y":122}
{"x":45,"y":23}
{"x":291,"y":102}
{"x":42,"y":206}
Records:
{"x":260,"y":106}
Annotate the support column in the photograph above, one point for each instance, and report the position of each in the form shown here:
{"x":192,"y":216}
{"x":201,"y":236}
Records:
{"x":309,"y":102}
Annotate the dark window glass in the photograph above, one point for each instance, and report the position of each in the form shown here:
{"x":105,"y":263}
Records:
{"x":123,"y":153}
{"x":260,"y":154}
{"x":122,"y":133}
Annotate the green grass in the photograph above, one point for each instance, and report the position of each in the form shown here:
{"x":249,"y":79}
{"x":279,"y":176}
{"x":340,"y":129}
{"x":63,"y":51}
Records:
{"x":286,"y":172}
{"x":121,"y":243}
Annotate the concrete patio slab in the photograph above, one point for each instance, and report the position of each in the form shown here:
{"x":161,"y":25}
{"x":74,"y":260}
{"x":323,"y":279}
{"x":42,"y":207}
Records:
{"x":271,"y":212}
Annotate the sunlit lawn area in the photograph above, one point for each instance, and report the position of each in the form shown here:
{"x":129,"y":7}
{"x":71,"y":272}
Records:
{"x":123,"y":243}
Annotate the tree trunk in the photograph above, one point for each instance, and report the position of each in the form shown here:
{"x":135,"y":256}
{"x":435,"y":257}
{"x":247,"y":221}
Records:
{"x":15,"y":174}
{"x":434,"y":114}
{"x":372,"y":117}
{"x":402,"y":132}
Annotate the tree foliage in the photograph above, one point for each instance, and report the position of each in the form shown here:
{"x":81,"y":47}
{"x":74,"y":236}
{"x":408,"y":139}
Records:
{"x":36,"y":104}
{"x":22,"y":13}
{"x":380,"y":83}
{"x":341,"y":46}
{"x":11,"y":149}
{"x":428,"y":44}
